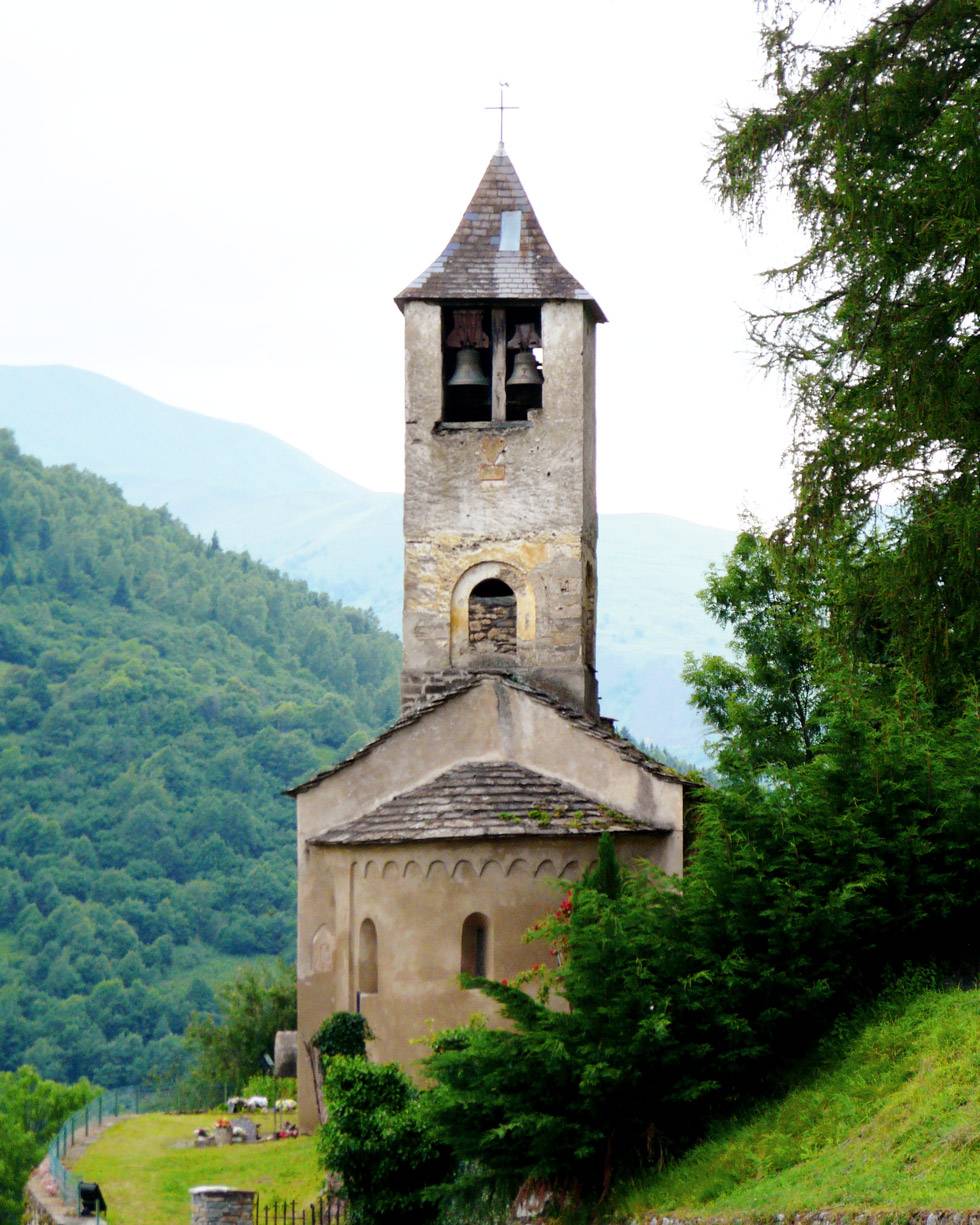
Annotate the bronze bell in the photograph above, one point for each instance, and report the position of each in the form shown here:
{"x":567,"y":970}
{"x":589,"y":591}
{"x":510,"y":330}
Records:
{"x":468,"y":372}
{"x":525,"y":372}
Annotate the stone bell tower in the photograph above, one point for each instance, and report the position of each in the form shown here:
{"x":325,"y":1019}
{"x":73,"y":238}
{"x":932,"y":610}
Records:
{"x":500,"y":516}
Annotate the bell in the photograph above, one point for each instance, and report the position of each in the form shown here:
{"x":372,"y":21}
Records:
{"x":468,"y":372}
{"x":525,"y":372}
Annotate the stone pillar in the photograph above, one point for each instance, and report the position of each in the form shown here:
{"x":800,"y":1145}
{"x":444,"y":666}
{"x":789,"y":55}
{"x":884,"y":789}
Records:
{"x":221,"y":1206}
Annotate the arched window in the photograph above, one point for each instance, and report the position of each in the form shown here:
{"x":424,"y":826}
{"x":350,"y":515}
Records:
{"x":367,"y":958}
{"x":475,"y":950}
{"x":493,"y":617}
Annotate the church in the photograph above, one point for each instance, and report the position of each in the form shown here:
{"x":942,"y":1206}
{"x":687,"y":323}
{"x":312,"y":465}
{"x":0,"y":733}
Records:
{"x":435,"y":847}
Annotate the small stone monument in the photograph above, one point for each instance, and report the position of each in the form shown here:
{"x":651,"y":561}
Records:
{"x":221,"y":1206}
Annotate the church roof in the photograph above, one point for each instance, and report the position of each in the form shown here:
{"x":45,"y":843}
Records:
{"x":484,"y":799}
{"x":601,"y":729}
{"x":499,"y":251}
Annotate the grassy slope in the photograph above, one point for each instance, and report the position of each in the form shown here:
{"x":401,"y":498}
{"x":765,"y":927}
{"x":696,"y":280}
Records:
{"x":146,"y":1180}
{"x":889,"y":1120}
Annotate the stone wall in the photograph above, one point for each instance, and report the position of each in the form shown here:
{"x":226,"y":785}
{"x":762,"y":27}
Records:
{"x":221,"y":1206}
{"x":510,"y":500}
{"x":493,"y":624}
{"x":36,"y":1212}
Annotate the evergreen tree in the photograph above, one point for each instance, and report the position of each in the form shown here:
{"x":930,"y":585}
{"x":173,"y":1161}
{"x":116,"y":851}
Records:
{"x":121,"y":597}
{"x":875,"y":142}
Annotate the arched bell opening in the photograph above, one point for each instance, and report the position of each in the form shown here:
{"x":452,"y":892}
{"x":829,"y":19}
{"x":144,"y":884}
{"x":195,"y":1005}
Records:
{"x":493,"y":618}
{"x":475,"y":946}
{"x":367,"y":958}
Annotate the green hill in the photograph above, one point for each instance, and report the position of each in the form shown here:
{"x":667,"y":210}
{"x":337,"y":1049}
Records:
{"x":156,"y":693}
{"x":262,"y":495}
{"x":888,"y":1120}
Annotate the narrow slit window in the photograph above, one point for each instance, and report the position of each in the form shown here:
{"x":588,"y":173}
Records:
{"x":367,"y":958}
{"x":474,"y":954}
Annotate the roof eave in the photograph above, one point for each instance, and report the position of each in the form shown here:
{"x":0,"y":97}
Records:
{"x":593,"y":307}
{"x":659,"y":829}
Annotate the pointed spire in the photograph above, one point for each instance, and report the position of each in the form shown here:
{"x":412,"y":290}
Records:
{"x":499,"y":250}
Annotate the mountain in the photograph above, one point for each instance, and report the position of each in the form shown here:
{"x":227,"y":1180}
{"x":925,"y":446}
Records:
{"x":156,"y":694}
{"x":266,"y":497}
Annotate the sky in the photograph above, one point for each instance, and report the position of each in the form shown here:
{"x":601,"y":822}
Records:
{"x":216,"y":202}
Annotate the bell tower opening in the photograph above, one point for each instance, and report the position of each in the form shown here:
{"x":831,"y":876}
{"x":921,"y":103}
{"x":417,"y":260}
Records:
{"x":467,"y":366}
{"x":491,"y":363}
{"x":493,"y":618}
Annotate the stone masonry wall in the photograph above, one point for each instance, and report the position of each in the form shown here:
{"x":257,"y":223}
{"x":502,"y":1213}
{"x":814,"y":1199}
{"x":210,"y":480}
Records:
{"x":493,"y":624}
{"x":221,"y":1206}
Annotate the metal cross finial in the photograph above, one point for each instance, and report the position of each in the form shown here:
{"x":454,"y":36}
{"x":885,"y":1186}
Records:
{"x":500,"y":107}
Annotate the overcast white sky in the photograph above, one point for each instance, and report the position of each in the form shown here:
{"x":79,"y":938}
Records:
{"x":215,"y":202}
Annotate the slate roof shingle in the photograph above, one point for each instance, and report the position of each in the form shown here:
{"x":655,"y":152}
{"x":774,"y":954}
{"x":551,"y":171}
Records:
{"x":484,"y":799}
{"x":473,"y":267}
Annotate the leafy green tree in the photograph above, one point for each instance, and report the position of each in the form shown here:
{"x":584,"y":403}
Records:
{"x":253,"y":1007}
{"x":765,"y":705}
{"x":874,"y":141}
{"x":31,"y":1111}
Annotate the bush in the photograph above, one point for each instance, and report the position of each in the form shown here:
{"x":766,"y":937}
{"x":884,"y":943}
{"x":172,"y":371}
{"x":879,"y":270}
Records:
{"x":378,"y":1141}
{"x":343,"y":1033}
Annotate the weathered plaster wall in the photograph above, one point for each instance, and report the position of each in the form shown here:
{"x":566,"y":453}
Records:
{"x":418,"y":896}
{"x":485,"y":498}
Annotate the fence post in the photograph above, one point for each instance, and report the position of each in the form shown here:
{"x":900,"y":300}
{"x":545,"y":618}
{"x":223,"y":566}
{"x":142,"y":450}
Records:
{"x":100,"y":1109}
{"x":86,"y":1118}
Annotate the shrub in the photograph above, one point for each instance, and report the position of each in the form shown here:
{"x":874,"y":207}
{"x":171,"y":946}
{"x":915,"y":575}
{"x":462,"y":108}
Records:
{"x":343,"y":1033}
{"x":378,"y":1141}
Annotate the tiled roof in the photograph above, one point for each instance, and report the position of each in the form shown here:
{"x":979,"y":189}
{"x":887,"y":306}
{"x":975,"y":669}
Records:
{"x":499,"y":251}
{"x":600,"y":729}
{"x":484,"y":799}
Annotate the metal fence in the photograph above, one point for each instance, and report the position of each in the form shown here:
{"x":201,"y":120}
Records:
{"x":326,"y":1210}
{"x":107,"y":1106}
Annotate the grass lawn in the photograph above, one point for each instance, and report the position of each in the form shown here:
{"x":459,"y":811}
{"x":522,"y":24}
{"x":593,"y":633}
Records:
{"x":890,"y":1119}
{"x":146,"y":1180}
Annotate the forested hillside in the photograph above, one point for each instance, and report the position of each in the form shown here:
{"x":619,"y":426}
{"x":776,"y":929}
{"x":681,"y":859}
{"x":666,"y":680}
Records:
{"x":156,"y":694}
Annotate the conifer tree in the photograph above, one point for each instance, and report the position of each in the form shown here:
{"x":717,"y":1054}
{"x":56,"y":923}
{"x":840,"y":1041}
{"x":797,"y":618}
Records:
{"x":121,"y":597}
